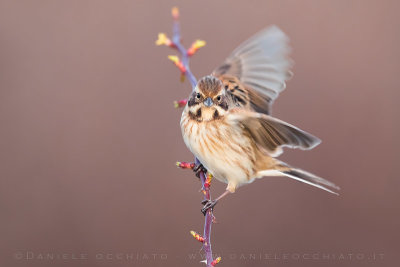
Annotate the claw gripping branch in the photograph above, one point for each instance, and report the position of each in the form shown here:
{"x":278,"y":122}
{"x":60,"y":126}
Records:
{"x":183,"y":65}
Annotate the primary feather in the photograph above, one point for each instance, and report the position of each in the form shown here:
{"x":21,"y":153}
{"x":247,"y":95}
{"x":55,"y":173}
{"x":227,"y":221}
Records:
{"x":261,"y":64}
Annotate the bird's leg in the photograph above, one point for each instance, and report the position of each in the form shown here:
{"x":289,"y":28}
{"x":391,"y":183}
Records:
{"x":198,"y":169}
{"x":209,"y":204}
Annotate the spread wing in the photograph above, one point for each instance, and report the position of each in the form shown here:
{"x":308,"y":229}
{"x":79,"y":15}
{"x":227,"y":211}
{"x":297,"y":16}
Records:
{"x":261,"y":64}
{"x":271,"y":134}
{"x":245,"y":97}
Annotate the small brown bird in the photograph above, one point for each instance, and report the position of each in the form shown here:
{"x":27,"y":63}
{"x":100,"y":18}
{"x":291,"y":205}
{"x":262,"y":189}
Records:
{"x":226,"y":122}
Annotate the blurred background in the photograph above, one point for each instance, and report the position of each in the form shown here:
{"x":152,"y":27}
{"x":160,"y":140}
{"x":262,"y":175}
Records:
{"x":89,"y":136}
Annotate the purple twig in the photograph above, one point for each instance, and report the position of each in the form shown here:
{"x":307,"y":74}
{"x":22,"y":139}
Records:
{"x":176,"y":40}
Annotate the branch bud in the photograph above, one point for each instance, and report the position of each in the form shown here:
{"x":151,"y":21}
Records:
{"x":177,"y":63}
{"x":195,"y":46}
{"x":216,"y":261}
{"x":197,"y":236}
{"x":175,"y":12}
{"x":180,"y":103}
{"x":182,"y":79}
{"x":164,"y":40}
{"x":207,"y":183}
{"x":185,"y":165}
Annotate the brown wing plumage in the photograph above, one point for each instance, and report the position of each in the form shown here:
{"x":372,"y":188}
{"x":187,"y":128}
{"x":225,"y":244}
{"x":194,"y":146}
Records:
{"x":261,"y":67}
{"x":270,"y":134}
{"x":245,"y":97}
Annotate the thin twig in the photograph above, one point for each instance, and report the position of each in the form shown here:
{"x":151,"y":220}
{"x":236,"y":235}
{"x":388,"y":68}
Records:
{"x":183,"y":65}
{"x":176,"y":39}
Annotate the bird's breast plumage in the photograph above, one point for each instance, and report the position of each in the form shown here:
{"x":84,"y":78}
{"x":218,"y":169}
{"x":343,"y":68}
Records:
{"x":222,"y":148}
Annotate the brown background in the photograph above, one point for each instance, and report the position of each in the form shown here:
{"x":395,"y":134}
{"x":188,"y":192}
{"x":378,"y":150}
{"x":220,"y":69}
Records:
{"x":89,"y":135}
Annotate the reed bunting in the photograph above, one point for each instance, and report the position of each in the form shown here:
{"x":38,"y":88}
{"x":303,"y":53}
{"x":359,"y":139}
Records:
{"x":226,"y":122}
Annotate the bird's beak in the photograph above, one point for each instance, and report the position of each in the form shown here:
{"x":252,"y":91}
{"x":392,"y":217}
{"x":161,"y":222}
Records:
{"x":208,"y":102}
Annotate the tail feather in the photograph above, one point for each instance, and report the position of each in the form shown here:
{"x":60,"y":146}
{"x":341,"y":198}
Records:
{"x":302,"y":176}
{"x":311,"y":179}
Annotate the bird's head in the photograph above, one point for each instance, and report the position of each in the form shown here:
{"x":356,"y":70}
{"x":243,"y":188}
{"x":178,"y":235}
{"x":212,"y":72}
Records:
{"x":209,"y":100}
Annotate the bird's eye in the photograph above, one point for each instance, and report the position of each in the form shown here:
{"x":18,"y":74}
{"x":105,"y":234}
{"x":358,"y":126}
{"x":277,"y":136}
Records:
{"x":219,"y":98}
{"x":198,"y":96}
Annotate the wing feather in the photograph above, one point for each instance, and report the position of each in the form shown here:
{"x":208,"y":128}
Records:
{"x":271,"y":134}
{"x":261,"y":63}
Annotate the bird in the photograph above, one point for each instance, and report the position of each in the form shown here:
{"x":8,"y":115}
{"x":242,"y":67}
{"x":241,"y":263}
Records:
{"x":227,"y":122}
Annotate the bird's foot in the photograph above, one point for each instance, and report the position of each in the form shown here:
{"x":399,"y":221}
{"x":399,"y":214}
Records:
{"x":208,"y":204}
{"x":198,"y":169}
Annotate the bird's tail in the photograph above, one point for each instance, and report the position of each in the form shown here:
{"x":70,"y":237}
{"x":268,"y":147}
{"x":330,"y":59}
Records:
{"x":302,"y":176}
